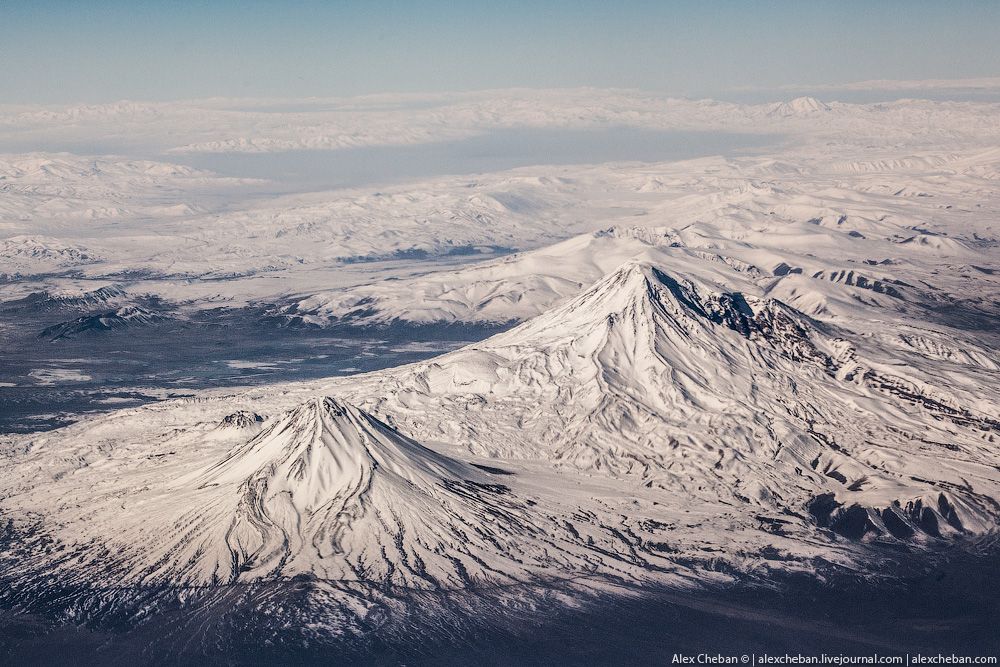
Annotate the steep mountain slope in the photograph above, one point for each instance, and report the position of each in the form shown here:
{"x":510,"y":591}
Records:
{"x":325,"y":491}
{"x":800,"y":106}
{"x":850,"y":239}
{"x":656,"y":429}
{"x":716,"y":394}
{"x":121,"y":318}
{"x":513,"y":288}
{"x":39,"y":254}
{"x":925,"y":206}
{"x":737,"y":366}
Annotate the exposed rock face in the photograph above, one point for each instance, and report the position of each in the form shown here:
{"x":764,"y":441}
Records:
{"x":122,"y":318}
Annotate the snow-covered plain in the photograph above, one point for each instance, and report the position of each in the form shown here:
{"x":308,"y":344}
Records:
{"x":721,"y":367}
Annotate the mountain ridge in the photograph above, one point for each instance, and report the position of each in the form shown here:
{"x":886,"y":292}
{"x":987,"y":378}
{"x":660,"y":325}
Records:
{"x":656,"y":429}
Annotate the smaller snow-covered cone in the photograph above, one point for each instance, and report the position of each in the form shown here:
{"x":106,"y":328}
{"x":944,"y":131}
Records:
{"x":241,"y":419}
{"x":325,"y":491}
{"x":328,"y":487}
{"x":122,"y":318}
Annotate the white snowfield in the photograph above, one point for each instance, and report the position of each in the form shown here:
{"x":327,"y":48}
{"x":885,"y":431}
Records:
{"x":261,"y":125}
{"x":722,"y":367}
{"x":645,"y":431}
{"x":929,"y":208}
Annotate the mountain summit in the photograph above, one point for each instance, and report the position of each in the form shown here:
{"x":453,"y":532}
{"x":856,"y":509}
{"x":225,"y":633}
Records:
{"x":716,"y":394}
{"x":658,"y":427}
{"x":800,"y":106}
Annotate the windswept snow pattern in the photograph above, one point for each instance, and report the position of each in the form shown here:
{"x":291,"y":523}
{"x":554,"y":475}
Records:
{"x":719,"y":418}
{"x":707,"y":371}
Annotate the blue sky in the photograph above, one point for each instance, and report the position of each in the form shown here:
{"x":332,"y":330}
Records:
{"x":105,"y":50}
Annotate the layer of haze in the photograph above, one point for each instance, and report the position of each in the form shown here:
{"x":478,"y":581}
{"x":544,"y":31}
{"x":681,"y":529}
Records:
{"x":64,"y":52}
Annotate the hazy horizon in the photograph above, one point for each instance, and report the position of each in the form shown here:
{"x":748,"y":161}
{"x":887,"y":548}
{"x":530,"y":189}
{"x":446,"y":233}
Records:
{"x":57,"y":52}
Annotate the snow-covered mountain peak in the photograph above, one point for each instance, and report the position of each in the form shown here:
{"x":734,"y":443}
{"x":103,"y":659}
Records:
{"x":654,"y":236}
{"x":800,"y":106}
{"x":325,"y":451}
{"x":121,"y":318}
{"x":699,"y":387}
{"x":646,"y":302}
{"x":241,"y":419}
{"x":325,"y":490}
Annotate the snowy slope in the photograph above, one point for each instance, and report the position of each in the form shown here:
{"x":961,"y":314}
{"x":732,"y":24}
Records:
{"x":723,"y":367}
{"x":323,"y":489}
{"x":513,"y":288}
{"x":125,"y":317}
{"x":323,"y":492}
{"x":717,"y":393}
{"x":642,"y":428}
{"x":800,"y":106}
{"x":820,"y":243}
{"x":885,"y":211}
